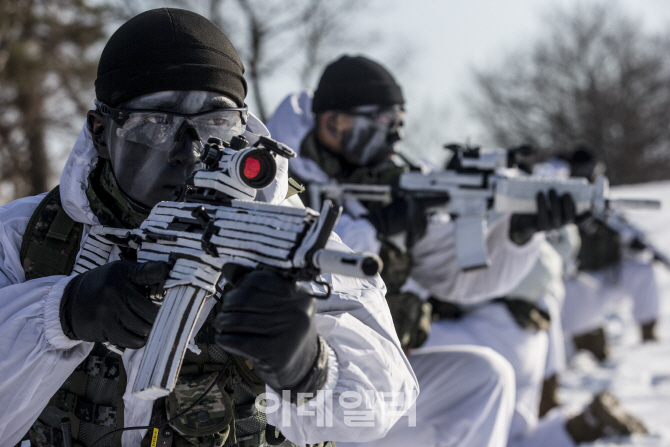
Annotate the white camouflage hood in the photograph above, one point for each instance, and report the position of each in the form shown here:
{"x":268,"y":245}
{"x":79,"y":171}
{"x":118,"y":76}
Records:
{"x":289,"y":124}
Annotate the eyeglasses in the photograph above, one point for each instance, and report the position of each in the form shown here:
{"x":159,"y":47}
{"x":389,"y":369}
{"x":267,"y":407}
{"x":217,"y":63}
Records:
{"x":159,"y":129}
{"x":389,"y":118}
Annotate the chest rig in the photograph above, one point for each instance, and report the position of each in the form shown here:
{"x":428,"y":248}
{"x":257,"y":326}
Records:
{"x":92,"y":396}
{"x":411,"y":316}
{"x":397,"y":261}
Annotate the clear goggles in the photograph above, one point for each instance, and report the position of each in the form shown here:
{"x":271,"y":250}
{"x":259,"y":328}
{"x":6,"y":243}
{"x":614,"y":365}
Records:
{"x":160,"y":129}
{"x":387,"y":118}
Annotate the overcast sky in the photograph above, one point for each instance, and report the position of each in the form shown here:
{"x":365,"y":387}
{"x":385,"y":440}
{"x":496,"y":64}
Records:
{"x":447,"y":38}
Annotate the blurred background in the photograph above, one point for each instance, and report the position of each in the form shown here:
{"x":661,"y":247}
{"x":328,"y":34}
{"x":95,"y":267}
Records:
{"x":552,"y":73}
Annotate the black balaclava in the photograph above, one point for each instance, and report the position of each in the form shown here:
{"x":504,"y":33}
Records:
{"x":584,"y":164}
{"x":168,"y":49}
{"x":353,"y":81}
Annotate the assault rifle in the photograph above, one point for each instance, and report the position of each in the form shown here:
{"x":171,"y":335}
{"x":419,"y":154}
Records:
{"x":213,"y":221}
{"x":474,"y":183}
{"x":635,"y":237}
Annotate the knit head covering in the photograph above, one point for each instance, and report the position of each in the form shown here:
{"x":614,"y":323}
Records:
{"x":353,"y":81}
{"x":168,"y":49}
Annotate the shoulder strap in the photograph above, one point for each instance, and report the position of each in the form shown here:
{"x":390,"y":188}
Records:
{"x":51,"y":241}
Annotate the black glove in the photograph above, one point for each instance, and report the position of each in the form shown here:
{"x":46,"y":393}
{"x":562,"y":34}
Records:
{"x":405,"y":213}
{"x":266,"y":319}
{"x":412,"y":318}
{"x":553,"y":212}
{"x":110,"y":303}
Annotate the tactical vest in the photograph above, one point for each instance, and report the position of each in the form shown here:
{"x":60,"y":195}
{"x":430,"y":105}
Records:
{"x":92,"y":396}
{"x":601,"y":246}
{"x":411,"y":316}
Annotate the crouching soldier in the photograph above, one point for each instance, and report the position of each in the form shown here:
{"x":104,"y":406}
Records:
{"x":176,"y":80}
{"x":348,"y":134}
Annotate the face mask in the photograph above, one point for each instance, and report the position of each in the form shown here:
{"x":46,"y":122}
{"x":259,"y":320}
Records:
{"x":155,"y":140}
{"x":372,"y":136}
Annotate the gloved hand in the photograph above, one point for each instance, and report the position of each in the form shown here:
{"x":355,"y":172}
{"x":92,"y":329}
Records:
{"x":265,"y":319}
{"x":553,"y":212}
{"x":406,"y":213}
{"x":110,"y":303}
{"x":412,"y":318}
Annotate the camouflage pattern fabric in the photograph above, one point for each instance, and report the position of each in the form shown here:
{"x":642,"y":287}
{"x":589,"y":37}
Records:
{"x":211,"y":417}
{"x":45,"y":252}
{"x":412,"y":318}
{"x":384,"y":174}
{"x":223,"y":413}
{"x":84,"y":411}
{"x":41,"y":435}
{"x":397,"y":266}
{"x":106,"y":367}
{"x":110,"y":205}
{"x":601,"y":246}
{"x":248,"y":424}
{"x":91,"y":397}
{"x":527,"y":315}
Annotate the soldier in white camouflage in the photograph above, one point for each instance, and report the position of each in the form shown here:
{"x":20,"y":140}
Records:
{"x":169,"y":79}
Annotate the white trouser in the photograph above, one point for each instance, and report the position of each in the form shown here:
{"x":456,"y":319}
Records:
{"x":466,"y":399}
{"x":556,"y":357}
{"x":586,"y":303}
{"x":492,"y":326}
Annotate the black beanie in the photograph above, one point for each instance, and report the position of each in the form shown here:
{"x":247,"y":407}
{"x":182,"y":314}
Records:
{"x":355,"y":81}
{"x":168,"y":49}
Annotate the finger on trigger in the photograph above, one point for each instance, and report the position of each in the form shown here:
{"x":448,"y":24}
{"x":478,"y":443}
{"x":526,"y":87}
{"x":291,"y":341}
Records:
{"x":143,"y":306}
{"x":147,"y":273}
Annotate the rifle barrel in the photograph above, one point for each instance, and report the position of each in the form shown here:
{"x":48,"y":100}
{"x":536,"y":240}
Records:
{"x":638,"y":204}
{"x":358,"y":265}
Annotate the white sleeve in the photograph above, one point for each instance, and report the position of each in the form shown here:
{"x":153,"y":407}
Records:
{"x":36,"y":356}
{"x":292,"y":119}
{"x":358,"y":234}
{"x":566,"y":241}
{"x":436,"y":267}
{"x":370,"y":383}
{"x":545,"y":276}
{"x":14,"y":218}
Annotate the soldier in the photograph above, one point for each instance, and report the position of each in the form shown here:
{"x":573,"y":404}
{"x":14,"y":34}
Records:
{"x":618,"y":265}
{"x":158,"y":72}
{"x":467,"y":391}
{"x":350,"y":138}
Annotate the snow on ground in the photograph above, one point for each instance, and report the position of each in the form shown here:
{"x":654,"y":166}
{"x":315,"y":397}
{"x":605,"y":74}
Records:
{"x":639,"y":375}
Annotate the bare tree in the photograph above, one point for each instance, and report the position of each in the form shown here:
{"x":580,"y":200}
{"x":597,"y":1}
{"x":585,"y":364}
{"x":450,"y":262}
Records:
{"x":300,"y":36}
{"x":45,"y":67}
{"x":597,"y":79}
{"x":427,"y":129}
{"x":49,"y":51}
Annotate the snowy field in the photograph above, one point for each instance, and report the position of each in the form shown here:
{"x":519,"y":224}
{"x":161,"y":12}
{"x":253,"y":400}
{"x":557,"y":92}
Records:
{"x":638,"y":374}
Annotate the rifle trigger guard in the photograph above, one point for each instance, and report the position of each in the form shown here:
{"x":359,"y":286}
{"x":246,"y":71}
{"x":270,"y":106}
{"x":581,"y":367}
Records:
{"x":325,"y":284}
